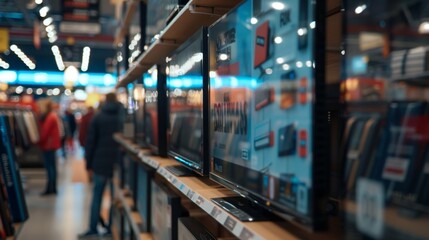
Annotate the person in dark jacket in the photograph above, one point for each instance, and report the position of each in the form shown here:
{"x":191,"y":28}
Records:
{"x":50,"y":141}
{"x":101,"y":154}
{"x":72,"y":126}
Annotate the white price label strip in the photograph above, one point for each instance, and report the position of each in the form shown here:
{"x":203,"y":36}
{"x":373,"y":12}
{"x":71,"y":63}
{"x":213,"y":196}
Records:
{"x":370,"y":207}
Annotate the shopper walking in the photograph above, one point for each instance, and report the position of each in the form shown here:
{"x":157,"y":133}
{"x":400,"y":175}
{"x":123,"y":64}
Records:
{"x":50,"y":141}
{"x":101,"y":154}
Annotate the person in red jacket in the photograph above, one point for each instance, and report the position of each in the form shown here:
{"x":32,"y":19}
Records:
{"x":84,"y":124}
{"x":50,"y":141}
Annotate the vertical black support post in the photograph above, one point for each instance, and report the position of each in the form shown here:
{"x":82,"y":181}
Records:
{"x":143,"y":23}
{"x":162,"y":110}
{"x":134,"y":166}
{"x":126,"y":51}
{"x":321,"y":134}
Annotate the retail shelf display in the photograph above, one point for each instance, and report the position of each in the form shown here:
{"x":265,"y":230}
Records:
{"x":201,"y":191}
{"x":196,"y":14}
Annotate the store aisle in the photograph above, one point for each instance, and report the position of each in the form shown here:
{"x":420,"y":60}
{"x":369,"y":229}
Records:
{"x":62,"y":216}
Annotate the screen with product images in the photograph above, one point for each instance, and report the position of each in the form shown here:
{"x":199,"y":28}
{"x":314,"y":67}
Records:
{"x":262,"y":100}
{"x":185,"y":81}
{"x":165,"y":213}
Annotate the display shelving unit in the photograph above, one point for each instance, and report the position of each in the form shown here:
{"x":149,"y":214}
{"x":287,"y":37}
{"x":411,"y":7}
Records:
{"x":196,"y":14}
{"x":201,"y":190}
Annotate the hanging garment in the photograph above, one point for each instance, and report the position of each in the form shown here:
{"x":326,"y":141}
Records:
{"x":22,"y":130}
{"x":11,"y":175}
{"x":31,"y":127}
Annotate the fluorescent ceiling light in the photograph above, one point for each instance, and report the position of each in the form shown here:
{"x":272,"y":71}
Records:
{"x":278,"y":5}
{"x":44,"y":11}
{"x":360,"y":9}
{"x":424,"y":27}
{"x":48,"y":21}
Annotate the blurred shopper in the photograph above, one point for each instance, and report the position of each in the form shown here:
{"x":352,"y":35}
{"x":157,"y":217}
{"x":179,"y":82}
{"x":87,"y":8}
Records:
{"x":72,"y":126}
{"x":101,"y":154}
{"x":50,"y":141}
{"x":63,"y":133}
{"x":84,"y":124}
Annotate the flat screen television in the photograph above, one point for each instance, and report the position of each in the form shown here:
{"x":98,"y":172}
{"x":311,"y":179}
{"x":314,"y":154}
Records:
{"x":187,"y":83}
{"x":269,"y":136}
{"x":155,"y":110}
{"x":139,"y":127}
{"x":165,"y":213}
{"x":144,"y":176}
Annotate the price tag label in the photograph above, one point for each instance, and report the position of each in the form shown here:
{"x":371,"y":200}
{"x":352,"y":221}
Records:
{"x":215,"y":212}
{"x":246,"y":234}
{"x":200,"y":201}
{"x":230,"y":224}
{"x":370,"y":207}
{"x":395,"y":169}
{"x":190,"y":194}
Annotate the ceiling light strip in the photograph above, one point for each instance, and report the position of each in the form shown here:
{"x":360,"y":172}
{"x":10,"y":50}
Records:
{"x":85,"y":59}
{"x":4,"y":64}
{"x":58,"y":59}
{"x":27,"y":61}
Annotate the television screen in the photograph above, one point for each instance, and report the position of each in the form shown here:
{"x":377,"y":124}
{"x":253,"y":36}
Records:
{"x":265,"y":107}
{"x":144,"y":196}
{"x":139,"y":127}
{"x":187,"y":89}
{"x":155,"y":111}
{"x":165,"y":213}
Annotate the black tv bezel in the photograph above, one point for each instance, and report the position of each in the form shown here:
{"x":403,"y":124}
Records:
{"x":162,"y":102}
{"x":204,"y":166}
{"x":318,"y":219}
{"x":140,"y":141}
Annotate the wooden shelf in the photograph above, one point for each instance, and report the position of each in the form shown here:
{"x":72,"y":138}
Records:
{"x":133,"y":216}
{"x":202,"y":190}
{"x":125,"y":24}
{"x":196,"y":14}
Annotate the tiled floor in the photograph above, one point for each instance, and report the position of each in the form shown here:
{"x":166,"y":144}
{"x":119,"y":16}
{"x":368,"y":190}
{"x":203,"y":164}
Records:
{"x":65,"y":215}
